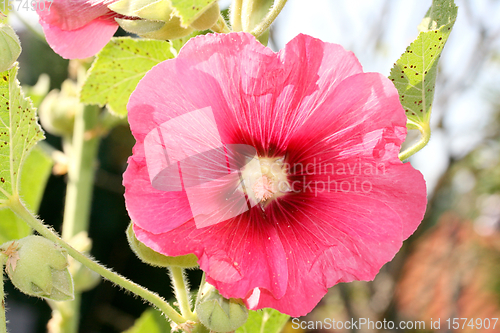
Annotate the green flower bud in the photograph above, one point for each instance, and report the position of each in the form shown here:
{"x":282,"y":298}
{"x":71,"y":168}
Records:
{"x":161,"y":30}
{"x":218,"y":313}
{"x":38,"y":267}
{"x":208,"y":18}
{"x":57,"y":111}
{"x":10,"y":47}
{"x":154,"y":258}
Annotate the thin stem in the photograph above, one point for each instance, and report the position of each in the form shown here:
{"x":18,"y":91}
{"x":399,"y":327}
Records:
{"x":17,"y":207}
{"x":80,"y":173}
{"x":425,"y":132}
{"x":181,"y":292}
{"x":220,"y":26}
{"x":3,"y":321}
{"x":235,"y":13}
{"x":269,"y":19}
{"x":246,"y":14}
{"x":82,"y":151}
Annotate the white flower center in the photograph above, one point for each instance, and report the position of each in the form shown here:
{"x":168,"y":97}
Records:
{"x":264,"y":179}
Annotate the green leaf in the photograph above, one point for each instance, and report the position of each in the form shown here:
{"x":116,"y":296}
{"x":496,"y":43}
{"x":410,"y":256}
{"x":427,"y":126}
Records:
{"x":264,"y":321}
{"x":414,"y":74}
{"x":118,"y":68}
{"x":19,"y":132}
{"x":151,"y":321}
{"x":10,"y":47}
{"x":190,"y":10}
{"x":34,"y":176}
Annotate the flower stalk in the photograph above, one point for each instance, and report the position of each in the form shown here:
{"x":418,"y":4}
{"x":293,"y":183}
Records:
{"x":425,"y":132}
{"x":235,"y":15}
{"x":269,"y":18}
{"x":81,"y":172}
{"x":17,"y":207}
{"x":181,"y":289}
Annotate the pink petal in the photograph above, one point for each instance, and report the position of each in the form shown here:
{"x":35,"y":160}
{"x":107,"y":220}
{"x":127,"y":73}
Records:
{"x":239,"y":255}
{"x":80,"y":43}
{"x":310,"y":103}
{"x":161,"y":211}
{"x":246,"y":84}
{"x":360,"y":128}
{"x":71,"y":15}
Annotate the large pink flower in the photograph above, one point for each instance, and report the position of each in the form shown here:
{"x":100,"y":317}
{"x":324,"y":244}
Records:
{"x":79,"y":28}
{"x":279,"y":171}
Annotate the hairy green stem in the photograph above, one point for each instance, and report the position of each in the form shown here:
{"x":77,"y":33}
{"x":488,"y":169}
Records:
{"x":82,"y":152}
{"x":3,"y":321}
{"x":269,"y":18}
{"x":17,"y":207}
{"x":182,"y":292}
{"x":235,"y":15}
{"x":425,"y":132}
{"x":82,"y":159}
{"x":246,"y":14}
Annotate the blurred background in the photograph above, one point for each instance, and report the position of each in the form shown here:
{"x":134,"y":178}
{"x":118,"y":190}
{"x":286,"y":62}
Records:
{"x":450,"y":268}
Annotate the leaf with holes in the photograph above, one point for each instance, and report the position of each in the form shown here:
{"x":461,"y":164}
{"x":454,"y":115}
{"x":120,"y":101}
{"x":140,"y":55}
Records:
{"x":189,"y":10}
{"x":264,"y":321}
{"x":118,"y":68}
{"x":19,"y":132}
{"x":414,"y":74}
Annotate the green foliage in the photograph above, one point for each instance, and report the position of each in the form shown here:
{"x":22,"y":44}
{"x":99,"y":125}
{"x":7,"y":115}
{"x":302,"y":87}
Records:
{"x":151,"y":321}
{"x":19,"y":132}
{"x":118,"y":68}
{"x":34,"y":176}
{"x":414,"y":74}
{"x":10,"y":47}
{"x":190,"y":10}
{"x":264,"y":321}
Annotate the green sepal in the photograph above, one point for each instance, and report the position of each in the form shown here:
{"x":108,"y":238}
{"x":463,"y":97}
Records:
{"x":217,"y":313}
{"x":208,"y":18}
{"x":161,"y":30}
{"x":159,"y":10}
{"x":154,"y":258}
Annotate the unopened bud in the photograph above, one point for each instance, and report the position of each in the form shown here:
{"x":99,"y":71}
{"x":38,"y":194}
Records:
{"x":217,"y":313}
{"x":57,"y":111}
{"x":38,"y":267}
{"x":154,"y":258}
{"x":10,"y":47}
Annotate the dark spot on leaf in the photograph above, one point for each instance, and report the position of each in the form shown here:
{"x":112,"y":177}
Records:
{"x":3,"y":181}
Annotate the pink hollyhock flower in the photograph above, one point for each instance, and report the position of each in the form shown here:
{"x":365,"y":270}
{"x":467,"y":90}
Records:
{"x":279,"y":171}
{"x":79,"y":28}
